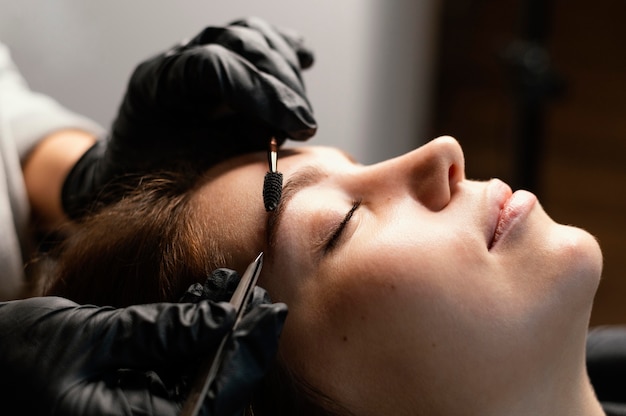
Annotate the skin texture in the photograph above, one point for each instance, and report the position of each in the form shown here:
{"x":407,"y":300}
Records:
{"x":413,"y":309}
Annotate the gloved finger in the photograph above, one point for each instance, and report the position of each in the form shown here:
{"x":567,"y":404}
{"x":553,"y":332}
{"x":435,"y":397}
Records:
{"x":249,"y":357}
{"x":193,"y":294}
{"x":287,"y":42}
{"x":132,"y":393}
{"x":18,"y":314}
{"x":254,"y":47}
{"x":221,"y":285}
{"x":306,"y":57}
{"x":149,"y":336}
{"x":259,"y":297}
{"x":229,"y":78}
{"x":218,"y":287}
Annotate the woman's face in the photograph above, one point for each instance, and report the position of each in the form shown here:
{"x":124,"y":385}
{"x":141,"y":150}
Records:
{"x":405,"y":277}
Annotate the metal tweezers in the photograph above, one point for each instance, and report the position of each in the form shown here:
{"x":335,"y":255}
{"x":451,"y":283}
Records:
{"x":208,"y":371}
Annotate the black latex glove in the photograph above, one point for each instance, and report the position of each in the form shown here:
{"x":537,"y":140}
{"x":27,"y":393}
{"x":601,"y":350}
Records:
{"x":220,"y":286}
{"x":225,"y":92}
{"x":242,"y":375}
{"x":59,"y":358}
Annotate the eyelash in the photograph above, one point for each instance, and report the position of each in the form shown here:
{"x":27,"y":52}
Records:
{"x":338,"y":230}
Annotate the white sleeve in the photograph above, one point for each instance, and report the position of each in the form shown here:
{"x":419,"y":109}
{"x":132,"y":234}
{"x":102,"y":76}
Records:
{"x":25,"y":118}
{"x":30,"y":116}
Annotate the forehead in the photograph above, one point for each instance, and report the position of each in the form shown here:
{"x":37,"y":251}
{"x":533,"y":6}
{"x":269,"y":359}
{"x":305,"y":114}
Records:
{"x":230,"y":197}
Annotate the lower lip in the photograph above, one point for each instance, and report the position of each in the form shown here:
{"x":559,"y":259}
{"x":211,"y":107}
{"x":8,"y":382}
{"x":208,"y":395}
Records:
{"x":517,"y":207}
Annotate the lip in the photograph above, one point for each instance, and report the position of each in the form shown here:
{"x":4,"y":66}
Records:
{"x":512,"y":207}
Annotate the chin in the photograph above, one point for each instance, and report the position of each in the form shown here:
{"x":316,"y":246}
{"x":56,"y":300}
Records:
{"x":580,"y":257}
{"x":573,"y":251}
{"x":583,"y":250}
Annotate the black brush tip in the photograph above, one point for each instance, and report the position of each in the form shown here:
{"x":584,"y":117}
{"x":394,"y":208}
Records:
{"x":272,"y":190}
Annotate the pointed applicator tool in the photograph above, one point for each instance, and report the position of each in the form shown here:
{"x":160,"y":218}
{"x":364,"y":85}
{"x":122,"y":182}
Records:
{"x":273,"y":182}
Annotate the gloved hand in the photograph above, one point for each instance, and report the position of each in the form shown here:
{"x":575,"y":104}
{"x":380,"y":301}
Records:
{"x":60,"y":358}
{"x":241,"y":372}
{"x":225,"y":92}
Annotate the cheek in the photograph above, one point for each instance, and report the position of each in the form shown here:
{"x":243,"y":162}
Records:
{"x":340,"y":329}
{"x":371,"y":302}
{"x":424,"y":290}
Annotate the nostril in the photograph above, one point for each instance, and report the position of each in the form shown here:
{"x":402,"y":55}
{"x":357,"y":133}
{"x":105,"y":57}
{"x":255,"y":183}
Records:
{"x":452,"y":171}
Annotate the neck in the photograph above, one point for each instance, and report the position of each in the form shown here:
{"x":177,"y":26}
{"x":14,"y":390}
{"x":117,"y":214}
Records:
{"x":556,"y":385}
{"x":557,"y":395}
{"x":553,"y":392}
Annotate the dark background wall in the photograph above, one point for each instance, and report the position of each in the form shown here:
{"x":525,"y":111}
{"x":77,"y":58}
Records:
{"x":495,"y":93}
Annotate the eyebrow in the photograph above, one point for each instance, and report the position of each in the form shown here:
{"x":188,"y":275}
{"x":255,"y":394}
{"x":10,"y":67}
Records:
{"x":303,"y":178}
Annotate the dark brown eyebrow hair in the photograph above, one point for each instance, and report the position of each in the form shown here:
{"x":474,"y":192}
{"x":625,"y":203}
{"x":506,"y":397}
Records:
{"x":305,"y":177}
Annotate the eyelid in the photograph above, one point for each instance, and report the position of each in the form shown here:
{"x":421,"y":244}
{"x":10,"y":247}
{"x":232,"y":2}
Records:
{"x":335,"y":235}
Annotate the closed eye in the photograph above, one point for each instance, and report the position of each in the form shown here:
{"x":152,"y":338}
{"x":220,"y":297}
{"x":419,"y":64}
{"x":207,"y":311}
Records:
{"x":335,"y":234}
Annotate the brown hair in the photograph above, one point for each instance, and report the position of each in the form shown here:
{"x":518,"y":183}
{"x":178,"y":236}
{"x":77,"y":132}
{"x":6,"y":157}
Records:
{"x":147,"y":247}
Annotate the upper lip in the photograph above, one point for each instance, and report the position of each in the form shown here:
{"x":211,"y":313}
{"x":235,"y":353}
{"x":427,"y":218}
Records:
{"x":498,"y":195}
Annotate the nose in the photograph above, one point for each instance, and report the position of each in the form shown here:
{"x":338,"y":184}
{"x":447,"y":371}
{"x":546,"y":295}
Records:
{"x":429,"y":173}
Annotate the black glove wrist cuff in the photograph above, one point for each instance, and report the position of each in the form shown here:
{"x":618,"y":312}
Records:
{"x":82,"y":183}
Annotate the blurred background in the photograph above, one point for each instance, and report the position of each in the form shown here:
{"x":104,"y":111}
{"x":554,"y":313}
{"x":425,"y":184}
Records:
{"x":533,"y":89}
